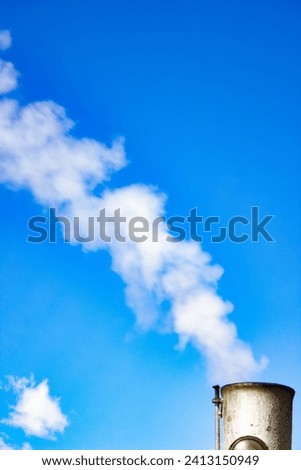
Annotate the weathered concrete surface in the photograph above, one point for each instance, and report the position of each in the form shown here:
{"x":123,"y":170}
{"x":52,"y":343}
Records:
{"x":260,"y":410}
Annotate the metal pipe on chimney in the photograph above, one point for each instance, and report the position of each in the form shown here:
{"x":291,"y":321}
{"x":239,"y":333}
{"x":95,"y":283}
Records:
{"x":217,"y":402}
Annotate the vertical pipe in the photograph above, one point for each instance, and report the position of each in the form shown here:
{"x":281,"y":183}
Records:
{"x":217,"y":402}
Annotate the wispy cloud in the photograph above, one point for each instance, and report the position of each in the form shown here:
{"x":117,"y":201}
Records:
{"x":5,"y":39}
{"x":8,"y":73}
{"x":38,"y":152}
{"x":4,"y":445}
{"x":36,"y":412}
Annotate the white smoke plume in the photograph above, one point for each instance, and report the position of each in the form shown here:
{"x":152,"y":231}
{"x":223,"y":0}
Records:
{"x":39,"y":153}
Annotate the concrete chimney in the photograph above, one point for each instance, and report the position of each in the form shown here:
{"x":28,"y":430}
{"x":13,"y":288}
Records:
{"x":257,"y":416}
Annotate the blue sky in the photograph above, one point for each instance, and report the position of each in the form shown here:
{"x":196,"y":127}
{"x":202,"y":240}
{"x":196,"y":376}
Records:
{"x":206,"y":96}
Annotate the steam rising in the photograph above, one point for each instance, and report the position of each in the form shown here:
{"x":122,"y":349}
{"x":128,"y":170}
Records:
{"x":38,"y":152}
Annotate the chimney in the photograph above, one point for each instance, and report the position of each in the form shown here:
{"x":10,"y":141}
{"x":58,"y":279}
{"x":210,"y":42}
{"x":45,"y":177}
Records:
{"x":256,"y":415}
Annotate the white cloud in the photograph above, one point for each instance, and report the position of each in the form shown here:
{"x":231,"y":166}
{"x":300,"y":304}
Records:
{"x":8,"y":73}
{"x":8,"y":77}
{"x":5,"y":39}
{"x":38,"y":152}
{"x":36,"y":412}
